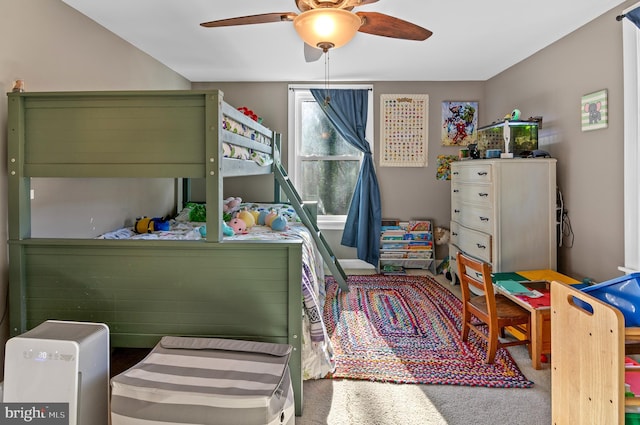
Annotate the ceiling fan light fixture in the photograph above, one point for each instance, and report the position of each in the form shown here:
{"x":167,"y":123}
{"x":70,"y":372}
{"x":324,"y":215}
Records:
{"x":327,"y":28}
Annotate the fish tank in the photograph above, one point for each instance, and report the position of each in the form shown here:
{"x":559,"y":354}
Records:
{"x":524,"y":137}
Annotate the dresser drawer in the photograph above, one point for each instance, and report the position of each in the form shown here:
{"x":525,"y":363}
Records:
{"x":474,"y":173}
{"x":475,"y":193}
{"x":474,"y":243}
{"x":473,"y":216}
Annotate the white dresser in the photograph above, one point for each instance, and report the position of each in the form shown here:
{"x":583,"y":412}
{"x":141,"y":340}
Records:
{"x":503,"y":211}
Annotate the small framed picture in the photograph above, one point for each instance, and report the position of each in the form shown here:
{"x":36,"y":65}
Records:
{"x":595,"y":109}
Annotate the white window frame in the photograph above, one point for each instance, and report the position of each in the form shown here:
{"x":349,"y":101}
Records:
{"x":297,"y":94}
{"x":631,"y":58}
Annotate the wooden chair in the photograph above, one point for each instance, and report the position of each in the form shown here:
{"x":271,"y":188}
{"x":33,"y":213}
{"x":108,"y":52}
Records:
{"x":494,"y":311}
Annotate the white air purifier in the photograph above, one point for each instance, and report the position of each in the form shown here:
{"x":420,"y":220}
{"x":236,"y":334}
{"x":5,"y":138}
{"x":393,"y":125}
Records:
{"x":61,"y":362}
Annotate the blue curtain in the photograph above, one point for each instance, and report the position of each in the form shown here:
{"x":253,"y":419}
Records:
{"x":347,"y":111}
{"x":633,"y":16}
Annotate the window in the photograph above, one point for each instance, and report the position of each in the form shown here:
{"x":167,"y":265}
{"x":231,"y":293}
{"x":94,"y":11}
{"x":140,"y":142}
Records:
{"x":322,"y":165}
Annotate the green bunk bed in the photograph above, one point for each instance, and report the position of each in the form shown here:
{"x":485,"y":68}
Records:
{"x":145,"y":289}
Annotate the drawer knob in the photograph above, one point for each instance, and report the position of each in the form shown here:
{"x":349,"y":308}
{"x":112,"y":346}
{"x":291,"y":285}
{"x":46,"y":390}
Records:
{"x":482,"y":194}
{"x":482,"y":173}
{"x":456,"y":190}
{"x":455,"y":173}
{"x":484,"y":218}
{"x":454,"y":234}
{"x":456,"y":211}
{"x":479,"y":245}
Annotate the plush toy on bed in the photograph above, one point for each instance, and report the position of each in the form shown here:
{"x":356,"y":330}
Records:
{"x":279,"y":223}
{"x":231,"y":203}
{"x":238,"y":225}
{"x":226,"y":230}
{"x":229,"y":206}
{"x":150,"y":225}
{"x":274,"y":220}
{"x":246,"y":216}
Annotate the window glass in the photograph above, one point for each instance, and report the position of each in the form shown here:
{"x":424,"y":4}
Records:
{"x":322,"y":165}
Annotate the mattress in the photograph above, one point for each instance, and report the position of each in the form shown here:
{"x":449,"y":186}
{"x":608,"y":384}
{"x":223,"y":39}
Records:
{"x":186,"y":380}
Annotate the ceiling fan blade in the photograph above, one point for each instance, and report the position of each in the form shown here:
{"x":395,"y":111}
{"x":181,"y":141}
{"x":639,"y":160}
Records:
{"x":253,"y":19}
{"x":356,"y":3}
{"x":380,"y":24}
{"x":312,"y":54}
{"x":305,"y":5}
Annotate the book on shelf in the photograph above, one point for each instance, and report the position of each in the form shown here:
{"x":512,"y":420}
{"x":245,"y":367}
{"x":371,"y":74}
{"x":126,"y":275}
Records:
{"x":390,"y":222}
{"x":418,"y":236}
{"x":386,"y":237}
{"x":391,"y":229}
{"x":391,"y":255}
{"x":419,"y":254}
{"x":419,"y":247}
{"x":419,"y":225}
{"x":390,"y":245}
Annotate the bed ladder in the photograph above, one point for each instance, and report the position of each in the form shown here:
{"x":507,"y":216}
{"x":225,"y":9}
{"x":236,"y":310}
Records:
{"x":323,"y":246}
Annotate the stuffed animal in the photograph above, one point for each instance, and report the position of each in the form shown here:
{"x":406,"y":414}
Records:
{"x":150,"y":225}
{"x":262,"y":217}
{"x":230,"y":204}
{"x":238,"y":226}
{"x":226,"y":230}
{"x":247,"y":217}
{"x":271,"y":215}
{"x":279,"y":223}
{"x":441,"y":235}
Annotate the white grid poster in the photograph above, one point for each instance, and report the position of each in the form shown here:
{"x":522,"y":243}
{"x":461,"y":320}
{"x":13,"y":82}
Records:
{"x":403,"y":130}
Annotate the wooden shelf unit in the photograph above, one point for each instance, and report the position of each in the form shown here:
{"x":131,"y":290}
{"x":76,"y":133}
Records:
{"x":588,"y":361}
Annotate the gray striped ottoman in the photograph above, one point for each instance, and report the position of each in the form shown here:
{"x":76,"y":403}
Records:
{"x":186,"y":380}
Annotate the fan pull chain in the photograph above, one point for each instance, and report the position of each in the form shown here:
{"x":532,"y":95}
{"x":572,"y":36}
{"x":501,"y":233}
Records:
{"x":327,"y":98}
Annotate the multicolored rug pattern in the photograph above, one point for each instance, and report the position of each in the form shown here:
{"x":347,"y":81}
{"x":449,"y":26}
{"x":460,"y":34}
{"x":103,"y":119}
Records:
{"x":406,"y":329}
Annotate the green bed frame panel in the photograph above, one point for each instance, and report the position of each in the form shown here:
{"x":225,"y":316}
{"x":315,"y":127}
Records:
{"x":144,"y":290}
{"x":115,"y":135}
{"x":134,"y":288}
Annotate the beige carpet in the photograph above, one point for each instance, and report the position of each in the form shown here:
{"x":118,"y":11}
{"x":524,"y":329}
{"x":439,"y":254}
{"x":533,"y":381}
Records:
{"x":343,"y":402}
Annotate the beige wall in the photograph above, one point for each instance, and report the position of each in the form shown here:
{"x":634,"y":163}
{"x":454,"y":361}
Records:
{"x":590,"y":174}
{"x":53,"y":47}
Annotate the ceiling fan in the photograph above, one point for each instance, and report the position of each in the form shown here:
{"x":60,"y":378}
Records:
{"x":327,"y":24}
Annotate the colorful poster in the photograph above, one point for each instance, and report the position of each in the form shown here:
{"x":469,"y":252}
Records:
{"x":459,"y":123}
{"x":404,"y":135}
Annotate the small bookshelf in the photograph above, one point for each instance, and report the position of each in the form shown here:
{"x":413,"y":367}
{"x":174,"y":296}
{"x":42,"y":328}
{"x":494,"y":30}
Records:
{"x":406,"y":245}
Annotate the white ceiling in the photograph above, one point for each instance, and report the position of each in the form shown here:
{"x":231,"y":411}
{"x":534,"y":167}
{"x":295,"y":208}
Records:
{"x":472,"y":40}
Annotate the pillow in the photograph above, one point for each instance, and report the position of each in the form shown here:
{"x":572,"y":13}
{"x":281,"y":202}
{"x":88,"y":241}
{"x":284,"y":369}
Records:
{"x":183,"y":215}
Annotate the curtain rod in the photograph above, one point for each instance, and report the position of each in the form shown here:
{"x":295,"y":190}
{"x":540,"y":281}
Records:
{"x":333,"y":87}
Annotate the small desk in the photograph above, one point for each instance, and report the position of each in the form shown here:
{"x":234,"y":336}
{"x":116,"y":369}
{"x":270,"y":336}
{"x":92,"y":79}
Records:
{"x":540,"y":316}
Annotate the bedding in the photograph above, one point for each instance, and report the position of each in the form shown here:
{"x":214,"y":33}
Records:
{"x":317,"y":353}
{"x":239,"y":152}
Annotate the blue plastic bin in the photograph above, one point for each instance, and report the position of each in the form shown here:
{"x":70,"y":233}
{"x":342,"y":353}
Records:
{"x":623,"y":293}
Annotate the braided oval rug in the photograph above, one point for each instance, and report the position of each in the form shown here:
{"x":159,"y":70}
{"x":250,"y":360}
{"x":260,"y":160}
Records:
{"x":406,"y":329}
